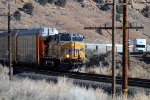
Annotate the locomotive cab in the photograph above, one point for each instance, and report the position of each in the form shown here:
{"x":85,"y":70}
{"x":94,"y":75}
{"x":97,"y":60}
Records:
{"x":72,"y":49}
{"x":66,"y":49}
{"x":72,"y":46}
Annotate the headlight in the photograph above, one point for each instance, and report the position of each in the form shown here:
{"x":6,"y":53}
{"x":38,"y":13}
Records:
{"x":67,"y":56}
{"x":79,"y":56}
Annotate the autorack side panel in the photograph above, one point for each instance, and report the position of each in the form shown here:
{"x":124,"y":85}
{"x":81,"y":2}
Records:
{"x":3,"y":47}
{"x":13,"y":48}
{"x":27,"y":48}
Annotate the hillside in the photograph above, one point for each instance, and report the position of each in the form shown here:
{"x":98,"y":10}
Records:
{"x":75,"y":16}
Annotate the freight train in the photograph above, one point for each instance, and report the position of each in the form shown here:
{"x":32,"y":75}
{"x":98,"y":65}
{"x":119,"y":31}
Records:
{"x":33,"y":46}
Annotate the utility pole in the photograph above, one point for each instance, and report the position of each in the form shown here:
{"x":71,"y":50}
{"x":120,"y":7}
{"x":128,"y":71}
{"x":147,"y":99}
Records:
{"x":9,"y":43}
{"x":113,"y":50}
{"x":125,"y":58}
{"x":9,"y":54}
{"x":125,"y":46}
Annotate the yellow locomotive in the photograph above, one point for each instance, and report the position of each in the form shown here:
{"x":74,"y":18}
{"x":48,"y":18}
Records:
{"x":64,"y":49}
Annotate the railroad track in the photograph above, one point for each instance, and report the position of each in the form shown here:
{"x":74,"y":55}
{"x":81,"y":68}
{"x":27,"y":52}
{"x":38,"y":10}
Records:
{"x":144,"y":83}
{"x":137,"y":53}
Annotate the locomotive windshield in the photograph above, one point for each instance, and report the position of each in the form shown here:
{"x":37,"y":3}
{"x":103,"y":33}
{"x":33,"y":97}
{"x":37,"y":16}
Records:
{"x":71,"y":37}
{"x":77,"y":37}
{"x":65,"y":37}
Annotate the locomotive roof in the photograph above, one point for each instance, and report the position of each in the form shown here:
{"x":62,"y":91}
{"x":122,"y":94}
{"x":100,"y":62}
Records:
{"x":21,"y":32}
{"x":28,"y":32}
{"x":6,"y":33}
{"x":32,"y":32}
{"x":69,"y":33}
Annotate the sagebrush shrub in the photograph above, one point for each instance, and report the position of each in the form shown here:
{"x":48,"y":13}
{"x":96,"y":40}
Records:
{"x":61,"y":3}
{"x":28,"y":7}
{"x":50,"y":1}
{"x":146,"y":11}
{"x":17,"y":15}
{"x":43,"y":2}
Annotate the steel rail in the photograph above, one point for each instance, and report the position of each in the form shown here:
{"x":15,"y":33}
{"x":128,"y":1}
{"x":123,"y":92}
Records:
{"x":136,"y":82}
{"x":137,"y":53}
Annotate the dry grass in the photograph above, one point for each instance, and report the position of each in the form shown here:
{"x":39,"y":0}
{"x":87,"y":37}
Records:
{"x":103,"y":70}
{"x":141,"y":96}
{"x":139,"y":72}
{"x":134,"y":72}
{"x":26,"y":89}
{"x":137,"y":68}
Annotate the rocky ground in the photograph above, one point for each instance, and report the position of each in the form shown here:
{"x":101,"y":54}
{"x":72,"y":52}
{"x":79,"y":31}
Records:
{"x":76,"y":15}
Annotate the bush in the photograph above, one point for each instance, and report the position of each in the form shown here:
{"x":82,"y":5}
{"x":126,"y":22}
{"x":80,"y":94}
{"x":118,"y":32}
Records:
{"x":50,"y":1}
{"x":119,"y":9}
{"x":118,"y":17}
{"x":99,"y":1}
{"x":17,"y":15}
{"x":105,"y":7}
{"x":146,"y":11}
{"x":61,"y":3}
{"x":28,"y":7}
{"x":43,"y":2}
{"x":79,"y":0}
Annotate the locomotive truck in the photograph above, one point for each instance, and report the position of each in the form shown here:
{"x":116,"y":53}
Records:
{"x":45,"y":49}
